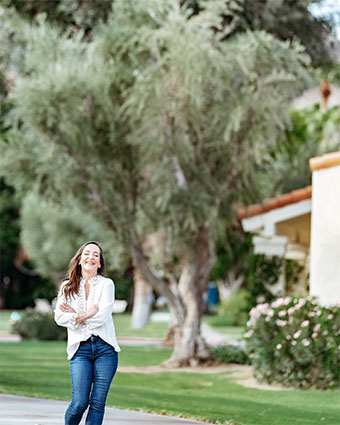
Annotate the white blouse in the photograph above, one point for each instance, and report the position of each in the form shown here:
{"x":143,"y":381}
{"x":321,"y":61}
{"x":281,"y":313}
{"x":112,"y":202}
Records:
{"x":101,"y":324}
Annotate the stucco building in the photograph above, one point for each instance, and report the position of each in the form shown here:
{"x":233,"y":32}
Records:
{"x":304,"y":225}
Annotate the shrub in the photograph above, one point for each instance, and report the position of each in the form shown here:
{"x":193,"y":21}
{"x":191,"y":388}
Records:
{"x":229,"y":354}
{"x":40,"y":326}
{"x":232,"y":311}
{"x":295,"y":342}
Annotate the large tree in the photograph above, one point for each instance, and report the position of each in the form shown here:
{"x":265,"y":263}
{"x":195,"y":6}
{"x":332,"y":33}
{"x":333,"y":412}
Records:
{"x":75,"y":14}
{"x":287,"y":20}
{"x":62,"y":228}
{"x":154,"y":126}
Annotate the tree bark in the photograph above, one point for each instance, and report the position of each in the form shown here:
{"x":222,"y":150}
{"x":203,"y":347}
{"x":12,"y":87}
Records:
{"x":185,"y":299}
{"x":142,"y":301}
{"x":230,"y":284}
{"x":169,"y":338}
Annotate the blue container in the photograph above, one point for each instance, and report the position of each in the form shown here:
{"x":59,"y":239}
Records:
{"x":212,"y":294}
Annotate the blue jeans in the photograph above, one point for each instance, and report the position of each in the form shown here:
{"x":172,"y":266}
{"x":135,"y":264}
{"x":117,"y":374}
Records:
{"x":94,"y":365}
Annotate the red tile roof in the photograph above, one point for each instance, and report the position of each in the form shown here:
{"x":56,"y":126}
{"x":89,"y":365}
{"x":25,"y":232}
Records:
{"x":273,"y":203}
{"x":325,"y":161}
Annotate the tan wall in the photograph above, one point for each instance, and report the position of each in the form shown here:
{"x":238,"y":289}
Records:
{"x":297,"y":229}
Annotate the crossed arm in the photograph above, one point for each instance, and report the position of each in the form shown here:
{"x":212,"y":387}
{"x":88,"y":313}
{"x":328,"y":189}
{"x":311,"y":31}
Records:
{"x":95,"y":316}
{"x":82,"y":316}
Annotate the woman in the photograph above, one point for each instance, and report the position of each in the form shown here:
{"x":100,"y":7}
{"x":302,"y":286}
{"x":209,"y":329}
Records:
{"x":84,"y":306}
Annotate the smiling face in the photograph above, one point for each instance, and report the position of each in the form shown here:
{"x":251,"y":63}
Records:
{"x":90,"y":259}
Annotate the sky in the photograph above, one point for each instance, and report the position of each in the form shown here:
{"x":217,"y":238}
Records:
{"x":328,"y":7}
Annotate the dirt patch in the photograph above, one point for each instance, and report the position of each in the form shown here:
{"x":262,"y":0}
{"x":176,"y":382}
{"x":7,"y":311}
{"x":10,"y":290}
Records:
{"x":241,"y":374}
{"x":196,"y":369}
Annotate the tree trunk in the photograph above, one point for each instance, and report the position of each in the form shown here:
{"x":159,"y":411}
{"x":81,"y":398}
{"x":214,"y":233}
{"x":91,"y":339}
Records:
{"x":142,"y":301}
{"x":230,"y":284}
{"x":169,"y":338}
{"x":189,"y":347}
{"x":185,"y":299}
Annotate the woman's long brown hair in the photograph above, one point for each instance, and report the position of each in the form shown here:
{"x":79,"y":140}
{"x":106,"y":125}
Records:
{"x":74,"y":271}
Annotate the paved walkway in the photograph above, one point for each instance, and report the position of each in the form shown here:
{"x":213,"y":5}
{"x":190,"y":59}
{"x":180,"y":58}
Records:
{"x":17,"y":410}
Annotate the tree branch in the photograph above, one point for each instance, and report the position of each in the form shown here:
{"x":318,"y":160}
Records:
{"x":157,"y":283}
{"x":90,"y":185}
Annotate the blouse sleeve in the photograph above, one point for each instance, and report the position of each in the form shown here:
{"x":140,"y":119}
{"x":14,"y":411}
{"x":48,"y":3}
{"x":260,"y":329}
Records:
{"x":61,"y":318}
{"x":105,"y":307}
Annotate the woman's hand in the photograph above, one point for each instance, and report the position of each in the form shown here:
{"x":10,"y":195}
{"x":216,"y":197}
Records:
{"x":66,"y":308}
{"x":81,"y":317}
{"x":92,"y":310}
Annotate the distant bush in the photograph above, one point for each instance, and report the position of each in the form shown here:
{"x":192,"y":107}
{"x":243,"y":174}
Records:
{"x":232,"y":311}
{"x":229,"y":354}
{"x":295,"y":342}
{"x":39,"y":326}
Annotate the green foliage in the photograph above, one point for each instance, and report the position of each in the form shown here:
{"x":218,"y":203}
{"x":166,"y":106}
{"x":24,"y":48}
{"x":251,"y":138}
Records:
{"x":232,"y":311}
{"x":229,"y":354}
{"x":292,"y":20}
{"x":263,"y":274}
{"x":177,"y":114}
{"x":19,"y":284}
{"x":78,"y":14}
{"x":286,"y":20}
{"x":153,"y":124}
{"x":38,"y":326}
{"x":127,"y":123}
{"x":123,"y":285}
{"x":331,"y":74}
{"x":62,"y":229}
{"x":312,"y":132}
{"x":20,"y":287}
{"x":232,"y":249}
{"x":293,"y":271}
{"x":235,"y":256}
{"x":9,"y":226}
{"x":295,"y":342}
{"x":54,"y":59}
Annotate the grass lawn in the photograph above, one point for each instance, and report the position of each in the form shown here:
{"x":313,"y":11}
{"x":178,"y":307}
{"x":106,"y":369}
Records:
{"x":5,"y":326}
{"x":151,"y":330}
{"x":40,"y":369}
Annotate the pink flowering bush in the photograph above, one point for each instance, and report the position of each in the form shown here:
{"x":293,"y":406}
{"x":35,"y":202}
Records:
{"x":296,"y":342}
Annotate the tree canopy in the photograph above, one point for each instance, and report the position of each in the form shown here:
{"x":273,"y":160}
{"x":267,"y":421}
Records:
{"x":156,"y":124}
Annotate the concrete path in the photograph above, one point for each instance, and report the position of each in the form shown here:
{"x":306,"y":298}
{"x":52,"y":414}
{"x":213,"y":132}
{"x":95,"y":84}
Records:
{"x":17,"y":410}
